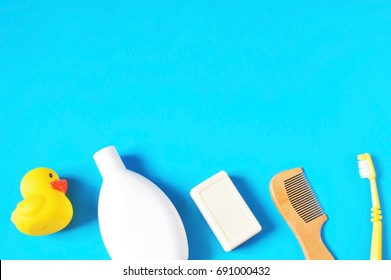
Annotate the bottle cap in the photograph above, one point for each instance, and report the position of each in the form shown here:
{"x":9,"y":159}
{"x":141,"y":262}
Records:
{"x":107,"y":160}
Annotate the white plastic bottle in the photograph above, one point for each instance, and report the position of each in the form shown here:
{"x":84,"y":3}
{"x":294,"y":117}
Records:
{"x":136,"y":219}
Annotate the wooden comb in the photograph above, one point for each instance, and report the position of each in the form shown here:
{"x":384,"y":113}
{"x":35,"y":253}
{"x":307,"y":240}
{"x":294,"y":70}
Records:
{"x":298,"y":205}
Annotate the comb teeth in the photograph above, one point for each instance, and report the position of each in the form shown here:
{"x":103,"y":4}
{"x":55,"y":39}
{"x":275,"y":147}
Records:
{"x":302,"y":198}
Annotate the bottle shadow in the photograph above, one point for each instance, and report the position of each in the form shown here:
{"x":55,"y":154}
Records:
{"x":198,"y":243}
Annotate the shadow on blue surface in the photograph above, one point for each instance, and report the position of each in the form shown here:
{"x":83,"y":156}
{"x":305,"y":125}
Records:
{"x":84,"y":201}
{"x":199,"y":248}
{"x":378,"y":170}
{"x":253,"y":201}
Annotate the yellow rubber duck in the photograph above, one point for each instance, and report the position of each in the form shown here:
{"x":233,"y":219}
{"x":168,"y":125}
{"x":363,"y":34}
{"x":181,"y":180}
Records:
{"x":45,"y":208}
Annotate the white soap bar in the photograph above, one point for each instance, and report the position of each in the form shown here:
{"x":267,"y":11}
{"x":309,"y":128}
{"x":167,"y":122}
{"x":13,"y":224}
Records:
{"x":225,"y":211}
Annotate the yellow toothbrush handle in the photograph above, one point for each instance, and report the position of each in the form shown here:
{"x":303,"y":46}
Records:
{"x":376,"y":245}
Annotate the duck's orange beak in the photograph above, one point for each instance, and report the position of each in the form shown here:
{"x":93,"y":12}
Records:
{"x":60,"y":185}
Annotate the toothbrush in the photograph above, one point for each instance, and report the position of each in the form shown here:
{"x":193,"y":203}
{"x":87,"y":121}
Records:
{"x":367,"y":170}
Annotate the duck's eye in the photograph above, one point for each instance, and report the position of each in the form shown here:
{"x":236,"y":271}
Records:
{"x":50,"y":175}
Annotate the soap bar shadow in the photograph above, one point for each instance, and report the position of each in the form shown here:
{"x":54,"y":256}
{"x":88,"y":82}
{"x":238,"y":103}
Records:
{"x":253,"y":201}
{"x":84,"y":202}
{"x":199,"y":248}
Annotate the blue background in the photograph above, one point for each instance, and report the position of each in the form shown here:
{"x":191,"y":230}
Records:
{"x":185,"y":89}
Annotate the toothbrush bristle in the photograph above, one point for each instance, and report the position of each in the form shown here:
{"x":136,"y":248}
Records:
{"x":302,"y":198}
{"x":365,"y":166}
{"x":364,"y":169}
